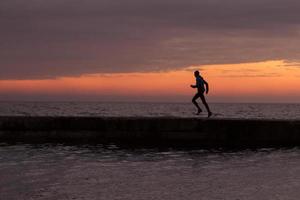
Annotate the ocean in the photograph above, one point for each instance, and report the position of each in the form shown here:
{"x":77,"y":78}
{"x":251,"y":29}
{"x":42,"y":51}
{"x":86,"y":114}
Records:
{"x":220,"y":110}
{"x":114,"y":171}
{"x":93,"y":172}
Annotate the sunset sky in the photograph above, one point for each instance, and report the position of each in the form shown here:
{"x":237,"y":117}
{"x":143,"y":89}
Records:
{"x":138,"y":50}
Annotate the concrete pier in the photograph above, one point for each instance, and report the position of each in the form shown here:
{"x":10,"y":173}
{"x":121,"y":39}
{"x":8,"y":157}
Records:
{"x":156,"y":130}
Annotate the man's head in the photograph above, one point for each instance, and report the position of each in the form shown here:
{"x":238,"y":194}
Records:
{"x":196,"y":73}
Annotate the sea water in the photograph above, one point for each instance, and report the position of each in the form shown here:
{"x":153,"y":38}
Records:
{"x":51,"y":172}
{"x":220,"y":110}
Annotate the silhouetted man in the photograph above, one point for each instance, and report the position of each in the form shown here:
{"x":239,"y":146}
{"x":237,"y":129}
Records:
{"x":200,"y":82}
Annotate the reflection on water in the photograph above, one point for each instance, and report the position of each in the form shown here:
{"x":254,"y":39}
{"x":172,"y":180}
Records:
{"x":112,"y":172}
{"x":220,"y":110}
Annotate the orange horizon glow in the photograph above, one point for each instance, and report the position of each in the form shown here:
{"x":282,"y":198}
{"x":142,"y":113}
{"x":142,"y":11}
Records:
{"x":261,"y":79}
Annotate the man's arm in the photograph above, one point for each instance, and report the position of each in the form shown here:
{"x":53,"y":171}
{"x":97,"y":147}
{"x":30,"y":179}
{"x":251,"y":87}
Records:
{"x":206,"y":86}
{"x":193,"y":86}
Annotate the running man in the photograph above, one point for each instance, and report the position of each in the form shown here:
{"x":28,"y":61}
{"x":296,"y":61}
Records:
{"x":200,"y":82}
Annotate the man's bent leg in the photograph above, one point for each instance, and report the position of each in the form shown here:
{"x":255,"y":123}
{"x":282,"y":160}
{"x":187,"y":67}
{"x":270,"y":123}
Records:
{"x":205,"y":104}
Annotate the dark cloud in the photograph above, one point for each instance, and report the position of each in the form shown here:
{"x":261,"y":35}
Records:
{"x":42,"y":39}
